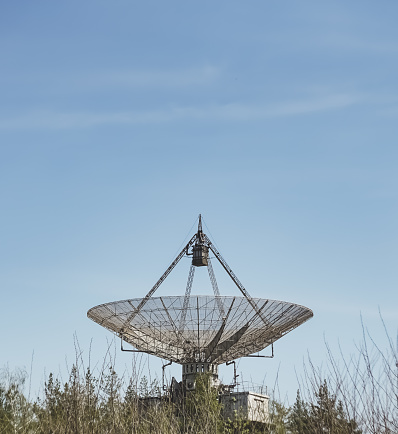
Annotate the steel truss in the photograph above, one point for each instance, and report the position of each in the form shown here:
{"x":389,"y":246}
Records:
{"x":191,"y":329}
{"x":207,"y":336}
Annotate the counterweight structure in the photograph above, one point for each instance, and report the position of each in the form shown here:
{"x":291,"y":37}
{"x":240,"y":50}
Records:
{"x":200,"y":332}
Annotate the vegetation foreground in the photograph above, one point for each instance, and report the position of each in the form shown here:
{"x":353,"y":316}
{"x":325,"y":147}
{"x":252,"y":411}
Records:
{"x":358,"y":395}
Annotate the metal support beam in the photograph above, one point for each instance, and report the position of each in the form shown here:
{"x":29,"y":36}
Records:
{"x":161,"y":280}
{"x":260,"y":355}
{"x":231,"y":386}
{"x":237,"y":282}
{"x":215,"y":287}
{"x":163,"y":368}
{"x":212,"y":345}
{"x":177,"y":333}
{"x":224,"y":346}
{"x":186,"y":298}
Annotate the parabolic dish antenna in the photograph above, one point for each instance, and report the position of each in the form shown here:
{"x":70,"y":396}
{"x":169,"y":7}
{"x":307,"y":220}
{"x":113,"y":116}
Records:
{"x":200,"y":332}
{"x":208,"y":329}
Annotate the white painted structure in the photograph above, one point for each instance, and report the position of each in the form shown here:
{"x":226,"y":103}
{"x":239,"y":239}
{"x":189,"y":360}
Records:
{"x":245,"y":405}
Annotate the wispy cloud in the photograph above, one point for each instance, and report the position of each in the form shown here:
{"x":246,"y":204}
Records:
{"x":225,"y":112}
{"x":151,"y":78}
{"x":80,"y":81}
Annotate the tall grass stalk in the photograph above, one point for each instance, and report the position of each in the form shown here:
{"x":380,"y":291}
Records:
{"x":349,"y":395}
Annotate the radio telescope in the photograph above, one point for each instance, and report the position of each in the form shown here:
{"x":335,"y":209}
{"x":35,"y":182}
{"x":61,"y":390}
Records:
{"x":200,"y":332}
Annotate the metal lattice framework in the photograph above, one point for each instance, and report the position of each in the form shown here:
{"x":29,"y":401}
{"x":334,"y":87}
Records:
{"x":207,"y":335}
{"x":213,"y":329}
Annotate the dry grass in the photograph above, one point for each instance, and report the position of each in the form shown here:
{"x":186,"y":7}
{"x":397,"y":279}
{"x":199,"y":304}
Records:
{"x":351,"y":395}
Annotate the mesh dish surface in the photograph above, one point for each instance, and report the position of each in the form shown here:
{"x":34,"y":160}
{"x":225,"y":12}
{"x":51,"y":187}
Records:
{"x":213,"y":330}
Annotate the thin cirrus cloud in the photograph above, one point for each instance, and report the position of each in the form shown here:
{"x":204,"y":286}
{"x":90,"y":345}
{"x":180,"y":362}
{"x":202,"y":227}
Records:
{"x":82,"y":81}
{"x":136,"y":78}
{"x":223,"y":112}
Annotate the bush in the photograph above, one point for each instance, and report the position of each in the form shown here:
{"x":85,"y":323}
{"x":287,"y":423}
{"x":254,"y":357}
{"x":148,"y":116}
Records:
{"x":352,"y":396}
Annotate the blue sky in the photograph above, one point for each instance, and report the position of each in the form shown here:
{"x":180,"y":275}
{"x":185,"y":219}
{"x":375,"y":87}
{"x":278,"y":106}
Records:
{"x":121,"y":121}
